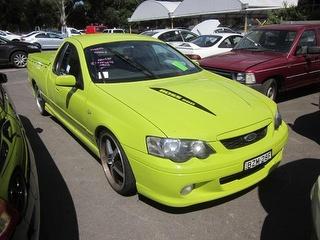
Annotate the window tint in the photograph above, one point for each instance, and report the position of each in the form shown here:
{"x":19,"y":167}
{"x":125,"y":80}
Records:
{"x":267,"y":40}
{"x":69,"y":64}
{"x":171,"y":36}
{"x":41,"y":35}
{"x":206,"y":40}
{"x":308,"y":39}
{"x":52,"y":35}
{"x":136,"y":61}
{"x":230,"y":42}
{"x":188,"y":36}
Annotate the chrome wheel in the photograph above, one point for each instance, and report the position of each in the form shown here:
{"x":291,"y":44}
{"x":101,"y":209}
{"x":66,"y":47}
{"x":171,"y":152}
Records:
{"x":115,"y":164}
{"x":19,"y":59}
{"x":270,"y":89}
{"x":270,"y":92}
{"x":40,"y":101}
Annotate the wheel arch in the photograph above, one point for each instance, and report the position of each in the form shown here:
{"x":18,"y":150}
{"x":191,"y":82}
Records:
{"x":279,"y":80}
{"x":16,"y":50}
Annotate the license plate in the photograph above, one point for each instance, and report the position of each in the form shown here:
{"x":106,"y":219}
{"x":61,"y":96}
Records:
{"x":257,"y":161}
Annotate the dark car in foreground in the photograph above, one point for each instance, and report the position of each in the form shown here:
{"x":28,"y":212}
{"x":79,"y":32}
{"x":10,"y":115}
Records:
{"x":272,"y":58}
{"x":15,"y":52}
{"x":19,"y":194}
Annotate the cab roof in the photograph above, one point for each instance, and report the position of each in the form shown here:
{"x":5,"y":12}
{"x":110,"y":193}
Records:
{"x":87,"y":40}
{"x":290,"y":27}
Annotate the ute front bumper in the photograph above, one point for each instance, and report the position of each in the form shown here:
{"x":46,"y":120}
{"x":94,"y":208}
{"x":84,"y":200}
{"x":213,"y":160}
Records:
{"x":221,"y":174}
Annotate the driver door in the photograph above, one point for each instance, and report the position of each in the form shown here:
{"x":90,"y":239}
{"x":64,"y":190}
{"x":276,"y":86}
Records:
{"x":70,"y":101}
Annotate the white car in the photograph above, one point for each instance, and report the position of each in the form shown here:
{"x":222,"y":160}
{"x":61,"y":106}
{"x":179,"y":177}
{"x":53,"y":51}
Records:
{"x":208,"y":45}
{"x":10,"y":36}
{"x":114,"y":30}
{"x":173,"y":36}
{"x":44,"y":40}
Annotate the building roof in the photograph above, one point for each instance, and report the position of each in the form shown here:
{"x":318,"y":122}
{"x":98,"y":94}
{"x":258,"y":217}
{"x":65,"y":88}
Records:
{"x":152,"y":10}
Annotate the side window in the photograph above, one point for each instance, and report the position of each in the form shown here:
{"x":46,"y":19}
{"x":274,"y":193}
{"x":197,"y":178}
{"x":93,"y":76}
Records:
{"x":308,"y":39}
{"x":51,"y":35}
{"x":188,"y":36}
{"x":57,"y":61}
{"x":171,"y":36}
{"x":227,"y":43}
{"x":236,"y":39}
{"x":41,"y":35}
{"x":69,"y":64}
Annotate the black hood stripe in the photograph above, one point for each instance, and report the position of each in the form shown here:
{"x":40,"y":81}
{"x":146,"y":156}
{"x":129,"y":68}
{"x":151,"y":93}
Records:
{"x":182,"y":99}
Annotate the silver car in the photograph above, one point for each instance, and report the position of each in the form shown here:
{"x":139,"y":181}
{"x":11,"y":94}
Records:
{"x":44,"y":40}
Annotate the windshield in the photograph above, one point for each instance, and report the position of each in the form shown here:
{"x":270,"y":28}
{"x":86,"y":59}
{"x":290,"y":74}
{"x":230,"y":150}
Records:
{"x":206,"y":40}
{"x":149,"y":33}
{"x":267,"y":40}
{"x":136,"y":61}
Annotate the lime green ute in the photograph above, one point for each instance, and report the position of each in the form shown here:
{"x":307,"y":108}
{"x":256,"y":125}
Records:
{"x":160,"y":124}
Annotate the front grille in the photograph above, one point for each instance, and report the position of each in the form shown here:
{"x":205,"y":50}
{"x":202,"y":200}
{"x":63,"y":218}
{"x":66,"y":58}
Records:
{"x":224,"y":73}
{"x":246,"y":139}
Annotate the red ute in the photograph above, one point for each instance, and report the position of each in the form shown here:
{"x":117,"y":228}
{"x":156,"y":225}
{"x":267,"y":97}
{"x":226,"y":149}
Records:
{"x":272,"y":58}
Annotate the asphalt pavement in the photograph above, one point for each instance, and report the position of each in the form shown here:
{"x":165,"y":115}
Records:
{"x":78,"y":203}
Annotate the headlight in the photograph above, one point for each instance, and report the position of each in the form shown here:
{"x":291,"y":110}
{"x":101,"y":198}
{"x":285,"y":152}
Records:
{"x":277,"y":120}
{"x":178,"y":150}
{"x":247,"y":78}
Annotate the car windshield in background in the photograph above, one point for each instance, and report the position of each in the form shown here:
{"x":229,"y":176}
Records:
{"x":206,"y":40}
{"x":267,"y":40}
{"x":149,"y":33}
{"x":136,"y":61}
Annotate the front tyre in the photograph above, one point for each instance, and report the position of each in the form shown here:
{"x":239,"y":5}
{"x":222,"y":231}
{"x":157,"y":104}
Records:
{"x":270,"y":89}
{"x":40,"y":101}
{"x":19,"y":59}
{"x":116,"y":165}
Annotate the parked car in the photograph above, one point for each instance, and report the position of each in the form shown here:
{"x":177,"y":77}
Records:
{"x":272,"y":58}
{"x":44,"y":40}
{"x":160,"y":124}
{"x":224,"y":30}
{"x":95,"y":29}
{"x":113,"y":30}
{"x":208,"y":45}
{"x":9,"y":36}
{"x":69,"y":31}
{"x":315,"y":208}
{"x":19,"y":192}
{"x":172,"y":36}
{"x":15,"y":53}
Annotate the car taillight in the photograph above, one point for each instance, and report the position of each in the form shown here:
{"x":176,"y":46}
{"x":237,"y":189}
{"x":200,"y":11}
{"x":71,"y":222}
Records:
{"x":9,"y":218}
{"x":194,"y":56}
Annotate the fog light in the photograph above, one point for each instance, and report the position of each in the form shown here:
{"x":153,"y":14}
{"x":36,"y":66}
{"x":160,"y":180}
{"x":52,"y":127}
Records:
{"x":187,"y":189}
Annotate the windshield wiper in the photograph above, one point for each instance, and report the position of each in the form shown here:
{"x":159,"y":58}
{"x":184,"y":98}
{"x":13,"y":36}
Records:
{"x":134,"y":64}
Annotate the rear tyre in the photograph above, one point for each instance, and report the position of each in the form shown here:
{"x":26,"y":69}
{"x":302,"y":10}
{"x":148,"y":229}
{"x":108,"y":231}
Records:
{"x":40,"y":101}
{"x":270,"y":89}
{"x":116,"y":165}
{"x":19,"y":59}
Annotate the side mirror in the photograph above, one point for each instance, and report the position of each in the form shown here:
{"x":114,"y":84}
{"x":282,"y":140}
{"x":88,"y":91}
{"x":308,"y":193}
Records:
{"x":66,"y":81}
{"x":3,"y":78}
{"x":313,"y":50}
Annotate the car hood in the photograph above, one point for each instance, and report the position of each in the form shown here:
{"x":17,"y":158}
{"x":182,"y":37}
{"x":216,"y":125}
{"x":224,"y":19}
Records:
{"x":201,"y":105}
{"x":238,"y":60}
{"x":18,"y":43}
